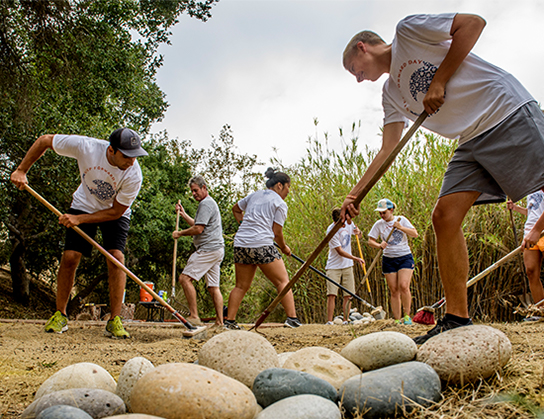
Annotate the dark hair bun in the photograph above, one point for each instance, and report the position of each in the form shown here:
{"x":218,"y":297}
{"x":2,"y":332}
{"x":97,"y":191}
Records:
{"x":269,"y":173}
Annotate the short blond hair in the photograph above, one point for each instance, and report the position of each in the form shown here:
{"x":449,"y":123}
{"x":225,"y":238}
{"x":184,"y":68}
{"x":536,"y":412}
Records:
{"x":366,"y":37}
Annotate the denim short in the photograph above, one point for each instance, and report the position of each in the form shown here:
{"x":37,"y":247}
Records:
{"x":393,"y":265}
{"x":256,"y":255}
{"x":114,"y":235}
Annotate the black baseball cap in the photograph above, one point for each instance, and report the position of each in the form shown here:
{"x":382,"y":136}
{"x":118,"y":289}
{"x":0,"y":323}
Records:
{"x":127,"y":142}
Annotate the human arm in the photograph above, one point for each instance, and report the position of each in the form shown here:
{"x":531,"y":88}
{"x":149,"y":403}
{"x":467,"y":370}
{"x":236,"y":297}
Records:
{"x":184,"y":215}
{"x":238,"y":213}
{"x":511,"y":206}
{"x":346,"y":255}
{"x":373,"y":243}
{"x":391,"y":136}
{"x":194,"y":230}
{"x":278,"y":237}
{"x":40,"y":146}
{"x":409,"y":231}
{"x":109,"y":214}
{"x":465,"y":31}
{"x":357,"y":232}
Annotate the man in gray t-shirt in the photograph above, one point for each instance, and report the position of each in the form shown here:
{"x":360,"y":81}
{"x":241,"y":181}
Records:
{"x":207,"y":233}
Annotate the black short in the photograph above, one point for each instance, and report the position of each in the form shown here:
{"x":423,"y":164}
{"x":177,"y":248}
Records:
{"x":114,"y":235}
{"x":256,"y":255}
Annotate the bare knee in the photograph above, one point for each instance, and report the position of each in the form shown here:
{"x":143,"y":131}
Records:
{"x":70,"y":260}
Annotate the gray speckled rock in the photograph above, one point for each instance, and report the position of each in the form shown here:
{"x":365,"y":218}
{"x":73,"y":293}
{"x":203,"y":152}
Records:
{"x":380,"y":349}
{"x":62,"y":411}
{"x":131,"y":372}
{"x":189,"y":391}
{"x":81,"y":375}
{"x":275,"y":384}
{"x":133,"y":416}
{"x":97,"y":403}
{"x":322,"y":363}
{"x":240,"y":355}
{"x":381,"y":393}
{"x":305,"y":406}
{"x":466,"y":354}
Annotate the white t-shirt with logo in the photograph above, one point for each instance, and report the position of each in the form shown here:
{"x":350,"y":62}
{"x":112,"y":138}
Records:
{"x":261,"y":210}
{"x":478,"y":96}
{"x":342,"y":239}
{"x":398,"y":242}
{"x":535,"y":208}
{"x":101,"y":183}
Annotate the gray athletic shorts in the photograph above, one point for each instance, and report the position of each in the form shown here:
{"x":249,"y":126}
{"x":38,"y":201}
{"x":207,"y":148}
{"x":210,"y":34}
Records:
{"x":505,"y":160}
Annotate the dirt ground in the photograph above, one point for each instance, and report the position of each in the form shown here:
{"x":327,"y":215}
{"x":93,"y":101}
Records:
{"x":28,"y":356}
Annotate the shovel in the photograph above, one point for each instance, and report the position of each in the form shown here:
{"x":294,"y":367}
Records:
{"x":191,"y":330}
{"x":374,"y":179}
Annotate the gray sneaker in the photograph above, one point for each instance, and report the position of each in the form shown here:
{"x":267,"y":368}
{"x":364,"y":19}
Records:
{"x":442,"y":325}
{"x":231,"y":324}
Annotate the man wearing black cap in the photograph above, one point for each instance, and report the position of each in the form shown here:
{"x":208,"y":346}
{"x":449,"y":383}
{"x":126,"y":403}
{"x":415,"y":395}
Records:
{"x":110,"y":181}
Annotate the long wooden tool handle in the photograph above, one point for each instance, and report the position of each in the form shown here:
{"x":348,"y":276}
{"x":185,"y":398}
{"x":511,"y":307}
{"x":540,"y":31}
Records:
{"x":175,"y":254}
{"x":364,"y":268}
{"x":491,"y":268}
{"x":377,"y":257}
{"x":113,"y":260}
{"x":373,"y":180}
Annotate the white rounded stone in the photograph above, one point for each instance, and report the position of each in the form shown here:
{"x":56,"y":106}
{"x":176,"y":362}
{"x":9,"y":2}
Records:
{"x":304,"y":406}
{"x":380,"y":349}
{"x":283,"y":357}
{"x":81,"y":375}
{"x":189,"y":391}
{"x":131,"y":372}
{"x":322,"y":363}
{"x":465,"y":354}
{"x":240,"y":355}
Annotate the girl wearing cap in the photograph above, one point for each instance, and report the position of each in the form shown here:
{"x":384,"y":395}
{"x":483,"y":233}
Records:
{"x":263,"y":214}
{"x":397,"y":261}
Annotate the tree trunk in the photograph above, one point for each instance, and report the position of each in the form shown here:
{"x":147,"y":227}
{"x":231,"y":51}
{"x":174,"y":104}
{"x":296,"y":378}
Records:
{"x":19,"y":277}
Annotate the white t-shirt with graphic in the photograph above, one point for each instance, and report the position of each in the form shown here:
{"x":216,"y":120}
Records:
{"x":101,"y":183}
{"x":261,"y":210}
{"x":342,"y":239}
{"x":478,"y":96}
{"x":398,"y":242}
{"x":535,"y":208}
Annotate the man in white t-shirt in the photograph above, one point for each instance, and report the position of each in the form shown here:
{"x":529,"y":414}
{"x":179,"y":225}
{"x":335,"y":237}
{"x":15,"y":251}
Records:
{"x":340,"y":266}
{"x":110,"y":181}
{"x":499,"y":126}
{"x":207,"y":232}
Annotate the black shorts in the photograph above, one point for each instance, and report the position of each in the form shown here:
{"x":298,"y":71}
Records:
{"x":393,"y":265}
{"x":256,"y":255}
{"x":114,"y":235}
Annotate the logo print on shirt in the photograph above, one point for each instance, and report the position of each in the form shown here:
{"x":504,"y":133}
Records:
{"x":535,"y":201}
{"x":396,"y":237}
{"x":103,"y":191}
{"x":345,"y":239}
{"x":421,"y":79}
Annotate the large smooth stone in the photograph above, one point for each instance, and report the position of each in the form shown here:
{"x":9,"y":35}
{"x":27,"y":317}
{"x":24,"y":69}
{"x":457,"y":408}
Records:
{"x":187,"y":391}
{"x":63,"y":412}
{"x":383,"y":392}
{"x":82,"y":375}
{"x":239,"y":354}
{"x":466,"y":354}
{"x":133,"y":416}
{"x":322,"y":363}
{"x":277,"y":383}
{"x":380,"y":349}
{"x":96,"y":402}
{"x":283,"y":357}
{"x":131,"y":372}
{"x":305,"y":406}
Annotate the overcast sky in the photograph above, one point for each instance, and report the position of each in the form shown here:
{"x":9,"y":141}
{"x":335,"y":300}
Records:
{"x":269,"y":67}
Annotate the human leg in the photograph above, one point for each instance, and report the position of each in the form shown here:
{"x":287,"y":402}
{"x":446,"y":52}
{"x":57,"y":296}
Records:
{"x":277,"y":274}
{"x":331,"y":303}
{"x":190,"y":294}
{"x":244,"y":278}
{"x":117,"y":282}
{"x":346,"y":306}
{"x":533,"y":263}
{"x":217,"y":298}
{"x":404,"y":277}
{"x":332,"y":291}
{"x":392,"y":283}
{"x":65,"y":278}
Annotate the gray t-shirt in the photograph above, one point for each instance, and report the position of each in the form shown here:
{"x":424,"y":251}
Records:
{"x":209,"y":216}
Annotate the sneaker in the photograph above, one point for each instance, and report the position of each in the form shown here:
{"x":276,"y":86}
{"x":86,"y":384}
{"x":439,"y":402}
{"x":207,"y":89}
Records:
{"x":115,"y":329}
{"x":407,"y":320}
{"x":442,"y":325}
{"x":58,"y":323}
{"x":329,"y":324}
{"x":231,"y":324}
{"x":399,"y":321}
{"x":292,"y":322}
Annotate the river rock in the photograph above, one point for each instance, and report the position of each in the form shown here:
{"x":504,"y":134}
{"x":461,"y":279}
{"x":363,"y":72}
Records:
{"x":278,"y":383}
{"x":133,"y":416}
{"x":96,"y":402}
{"x":62,"y":411}
{"x":240,"y":355}
{"x":305,"y":406}
{"x":322,"y":363}
{"x":380,"y":349}
{"x":81,"y":375}
{"x":383,"y":392}
{"x":466,"y":354}
{"x":131,"y":372}
{"x":187,"y":391}
{"x":283,"y":357}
